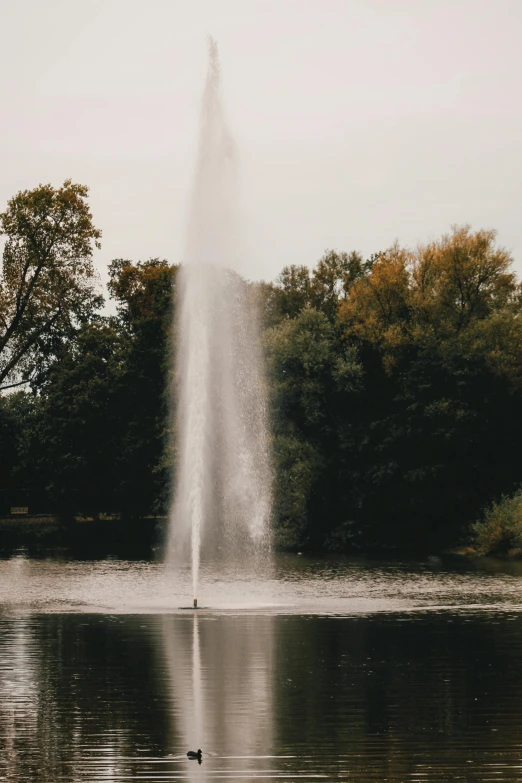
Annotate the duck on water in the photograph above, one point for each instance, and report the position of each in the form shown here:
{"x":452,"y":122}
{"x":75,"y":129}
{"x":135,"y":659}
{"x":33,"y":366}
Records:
{"x":192,"y":754}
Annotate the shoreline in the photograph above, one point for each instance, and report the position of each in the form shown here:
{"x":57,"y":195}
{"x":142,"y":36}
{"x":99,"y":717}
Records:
{"x":105,"y":533}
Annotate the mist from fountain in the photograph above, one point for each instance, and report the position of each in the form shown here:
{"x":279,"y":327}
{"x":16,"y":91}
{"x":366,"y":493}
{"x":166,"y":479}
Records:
{"x":222,"y":496}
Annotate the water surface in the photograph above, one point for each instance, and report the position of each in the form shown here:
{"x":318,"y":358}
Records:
{"x":331,"y":670}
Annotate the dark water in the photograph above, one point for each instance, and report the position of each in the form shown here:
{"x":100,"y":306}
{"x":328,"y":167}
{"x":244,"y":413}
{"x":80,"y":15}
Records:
{"x":414,"y":693}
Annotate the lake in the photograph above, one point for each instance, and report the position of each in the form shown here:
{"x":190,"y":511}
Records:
{"x":326,"y":669}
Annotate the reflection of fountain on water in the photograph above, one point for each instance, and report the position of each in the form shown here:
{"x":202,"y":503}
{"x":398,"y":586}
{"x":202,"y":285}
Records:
{"x":222,"y":497}
{"x":220,"y":673}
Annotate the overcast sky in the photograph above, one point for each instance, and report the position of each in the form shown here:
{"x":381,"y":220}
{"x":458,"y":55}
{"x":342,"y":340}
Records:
{"x":357,"y":122}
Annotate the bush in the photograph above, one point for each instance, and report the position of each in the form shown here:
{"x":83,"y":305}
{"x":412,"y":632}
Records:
{"x":501,"y":527}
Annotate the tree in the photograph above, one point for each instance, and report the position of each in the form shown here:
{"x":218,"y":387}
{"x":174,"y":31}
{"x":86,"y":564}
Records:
{"x":322,"y":288}
{"x":145,"y":293}
{"x":48,"y":282}
{"x":460,"y":279}
{"x":315,"y":377}
{"x":21,"y":451}
{"x":439,"y":290}
{"x":79,"y":424}
{"x":376,"y":309}
{"x":293,"y":285}
{"x":333,"y":278}
{"x":439,"y":336}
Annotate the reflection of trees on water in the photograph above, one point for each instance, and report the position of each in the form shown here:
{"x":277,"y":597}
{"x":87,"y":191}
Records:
{"x":77,"y":700}
{"x":391,"y":692}
{"x":19,"y":696}
{"x":94,"y":697}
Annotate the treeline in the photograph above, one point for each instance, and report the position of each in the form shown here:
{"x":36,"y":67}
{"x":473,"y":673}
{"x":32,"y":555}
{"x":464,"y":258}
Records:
{"x":396,"y":382}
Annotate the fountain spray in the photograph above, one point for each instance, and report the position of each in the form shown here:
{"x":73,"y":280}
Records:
{"x":223,"y":485}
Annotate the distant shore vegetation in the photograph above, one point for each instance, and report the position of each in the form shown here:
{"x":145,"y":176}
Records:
{"x":395,"y":385}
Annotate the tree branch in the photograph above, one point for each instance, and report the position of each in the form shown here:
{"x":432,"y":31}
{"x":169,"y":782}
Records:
{"x":12,"y":385}
{"x":22,"y":302}
{"x":27,"y":345}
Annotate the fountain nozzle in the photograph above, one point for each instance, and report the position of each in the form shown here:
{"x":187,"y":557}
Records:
{"x":195,"y":603}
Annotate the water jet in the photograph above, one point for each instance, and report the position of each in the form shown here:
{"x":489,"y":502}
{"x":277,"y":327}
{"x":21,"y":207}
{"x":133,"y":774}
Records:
{"x":222,"y":494}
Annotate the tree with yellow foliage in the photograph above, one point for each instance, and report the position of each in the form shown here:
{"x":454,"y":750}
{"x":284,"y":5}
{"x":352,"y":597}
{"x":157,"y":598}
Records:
{"x":48,"y":282}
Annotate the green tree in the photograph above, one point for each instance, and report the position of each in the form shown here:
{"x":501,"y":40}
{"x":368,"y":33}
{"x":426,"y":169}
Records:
{"x":315,"y":380}
{"x":323,"y":288}
{"x":78,"y":429}
{"x":48,"y":284}
{"x":22,"y":453}
{"x":145,"y":294}
{"x":333,"y":278}
{"x":293,"y":287}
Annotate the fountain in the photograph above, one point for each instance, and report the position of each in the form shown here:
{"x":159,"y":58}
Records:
{"x":221,"y":504}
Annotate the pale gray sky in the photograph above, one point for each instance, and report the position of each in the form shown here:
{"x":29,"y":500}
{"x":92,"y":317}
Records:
{"x":357,"y":121}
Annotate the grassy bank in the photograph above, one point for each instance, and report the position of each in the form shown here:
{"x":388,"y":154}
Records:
{"x":85,"y":537}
